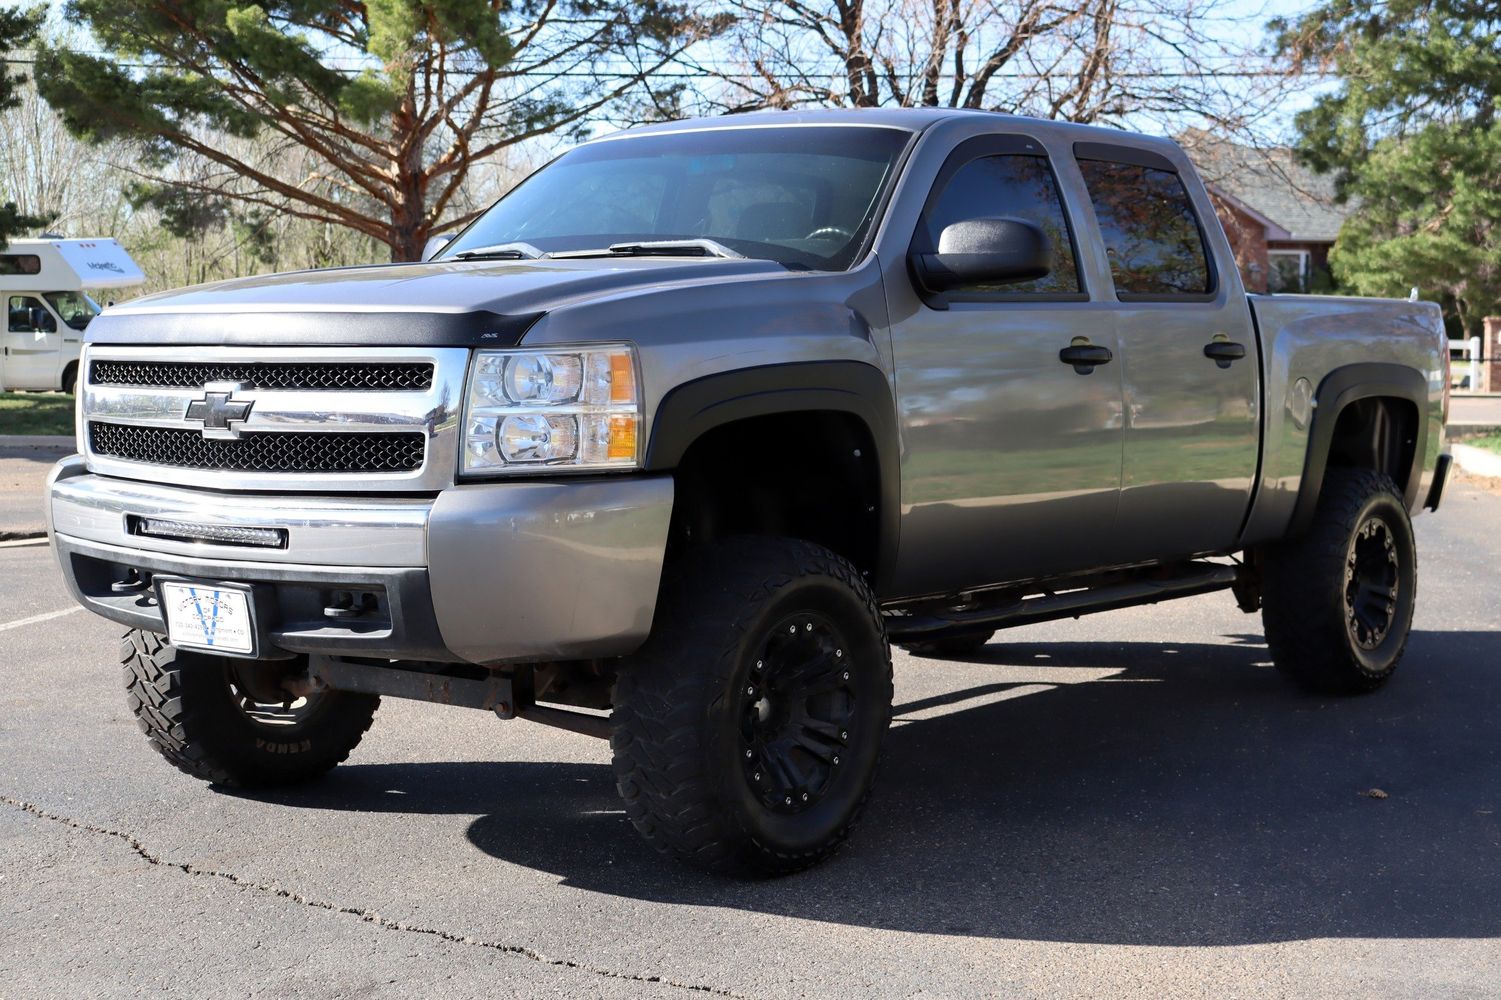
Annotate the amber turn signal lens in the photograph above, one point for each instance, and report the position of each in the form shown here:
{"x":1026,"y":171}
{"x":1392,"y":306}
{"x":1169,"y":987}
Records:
{"x":622,"y":380}
{"x":622,"y":436}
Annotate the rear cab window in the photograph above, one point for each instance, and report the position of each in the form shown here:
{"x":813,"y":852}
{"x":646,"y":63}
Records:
{"x":1151,"y":233}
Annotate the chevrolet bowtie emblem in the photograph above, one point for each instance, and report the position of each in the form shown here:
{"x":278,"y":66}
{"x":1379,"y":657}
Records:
{"x":218,"y":412}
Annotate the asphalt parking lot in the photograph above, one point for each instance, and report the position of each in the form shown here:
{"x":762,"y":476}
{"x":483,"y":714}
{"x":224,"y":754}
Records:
{"x":1129,"y":805}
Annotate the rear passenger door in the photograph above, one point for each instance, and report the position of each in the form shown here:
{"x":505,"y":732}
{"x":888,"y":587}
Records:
{"x":1189,"y":358}
{"x":1012,"y":458}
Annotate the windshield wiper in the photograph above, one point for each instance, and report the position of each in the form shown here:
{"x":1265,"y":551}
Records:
{"x":501,"y":251}
{"x":675,"y":248}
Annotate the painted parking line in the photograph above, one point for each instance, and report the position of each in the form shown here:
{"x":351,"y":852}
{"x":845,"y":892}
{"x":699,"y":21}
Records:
{"x":16,"y":543}
{"x":34,"y":619}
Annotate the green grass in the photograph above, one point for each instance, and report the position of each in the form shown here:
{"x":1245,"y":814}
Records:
{"x":1490,"y":442}
{"x":36,"y":413}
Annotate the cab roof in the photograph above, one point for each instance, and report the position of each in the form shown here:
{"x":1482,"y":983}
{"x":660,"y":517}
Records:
{"x":907,"y":119}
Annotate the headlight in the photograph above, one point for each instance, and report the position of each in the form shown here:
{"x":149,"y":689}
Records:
{"x":577,"y":409}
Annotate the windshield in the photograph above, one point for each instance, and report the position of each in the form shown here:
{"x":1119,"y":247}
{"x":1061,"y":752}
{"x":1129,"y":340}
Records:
{"x":75,"y":308}
{"x":804,"y":197}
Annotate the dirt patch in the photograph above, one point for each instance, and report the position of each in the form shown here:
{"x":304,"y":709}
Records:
{"x":1458,"y":476}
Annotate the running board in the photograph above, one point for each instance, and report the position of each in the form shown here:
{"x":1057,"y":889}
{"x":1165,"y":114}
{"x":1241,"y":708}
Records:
{"x":933,"y":620}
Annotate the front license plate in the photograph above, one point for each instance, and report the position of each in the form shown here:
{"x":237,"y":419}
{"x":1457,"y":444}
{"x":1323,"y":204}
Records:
{"x":208,"y":616}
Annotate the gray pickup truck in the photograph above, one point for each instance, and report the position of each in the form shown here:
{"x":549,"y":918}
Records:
{"x":673,"y":441}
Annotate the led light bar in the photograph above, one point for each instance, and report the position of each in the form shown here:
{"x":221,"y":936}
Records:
{"x":219,"y":534}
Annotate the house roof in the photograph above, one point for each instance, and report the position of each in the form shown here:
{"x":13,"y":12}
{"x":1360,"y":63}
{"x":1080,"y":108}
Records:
{"x":1272,"y":186}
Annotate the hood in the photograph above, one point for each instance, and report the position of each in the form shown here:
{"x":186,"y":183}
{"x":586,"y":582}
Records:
{"x":453,"y":303}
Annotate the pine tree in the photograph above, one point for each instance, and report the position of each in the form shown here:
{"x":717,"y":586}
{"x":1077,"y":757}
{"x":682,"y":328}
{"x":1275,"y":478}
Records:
{"x":17,"y":29}
{"x":396,"y":100}
{"x":1413,"y":139}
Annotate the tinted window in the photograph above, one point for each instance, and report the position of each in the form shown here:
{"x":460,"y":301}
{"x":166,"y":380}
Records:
{"x":25,"y":314}
{"x":1013,"y":186}
{"x":801,"y":196}
{"x":1149,"y":228}
{"x":21,"y":263}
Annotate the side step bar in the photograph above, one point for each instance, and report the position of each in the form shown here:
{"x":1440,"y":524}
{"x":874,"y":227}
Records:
{"x":933,"y":620}
{"x":508,"y":695}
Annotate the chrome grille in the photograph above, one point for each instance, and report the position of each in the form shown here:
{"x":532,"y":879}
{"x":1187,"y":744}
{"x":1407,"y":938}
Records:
{"x":265,"y":452}
{"x":317,"y":419}
{"x":307,"y":376}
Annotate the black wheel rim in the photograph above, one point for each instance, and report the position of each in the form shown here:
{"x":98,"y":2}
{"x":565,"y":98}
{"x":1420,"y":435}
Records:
{"x":1372,"y":583}
{"x":796,"y":713}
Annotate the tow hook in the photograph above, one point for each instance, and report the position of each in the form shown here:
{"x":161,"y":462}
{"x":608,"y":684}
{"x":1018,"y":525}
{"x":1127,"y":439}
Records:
{"x":347,"y":604}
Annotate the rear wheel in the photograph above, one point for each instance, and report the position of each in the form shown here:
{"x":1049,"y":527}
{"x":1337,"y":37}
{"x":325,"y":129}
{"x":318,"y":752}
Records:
{"x":1338,"y":602}
{"x":747,"y":730}
{"x":210,"y":718}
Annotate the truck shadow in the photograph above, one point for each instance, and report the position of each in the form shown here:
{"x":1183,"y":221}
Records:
{"x":1189,"y":799}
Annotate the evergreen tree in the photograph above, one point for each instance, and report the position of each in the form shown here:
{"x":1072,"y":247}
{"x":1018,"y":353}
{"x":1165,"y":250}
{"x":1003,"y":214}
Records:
{"x":1412,"y":136}
{"x":396,"y":100}
{"x":17,"y":29}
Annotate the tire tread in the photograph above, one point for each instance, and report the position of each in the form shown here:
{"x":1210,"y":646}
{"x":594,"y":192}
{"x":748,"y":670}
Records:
{"x":185,"y":733}
{"x":658,"y":717}
{"x":1311,"y":649}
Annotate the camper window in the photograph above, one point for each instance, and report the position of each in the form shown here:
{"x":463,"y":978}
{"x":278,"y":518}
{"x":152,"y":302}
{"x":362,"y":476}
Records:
{"x":27,"y":315}
{"x":20,"y":263}
{"x":75,"y":308}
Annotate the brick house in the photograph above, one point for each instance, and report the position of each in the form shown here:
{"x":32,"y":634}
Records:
{"x":1280,"y":216}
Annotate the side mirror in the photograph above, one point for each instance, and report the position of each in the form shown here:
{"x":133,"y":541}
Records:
{"x":984,"y":252}
{"x":434,"y":246}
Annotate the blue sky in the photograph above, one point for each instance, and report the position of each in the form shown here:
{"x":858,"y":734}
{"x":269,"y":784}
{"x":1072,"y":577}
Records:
{"x":1238,"y":21}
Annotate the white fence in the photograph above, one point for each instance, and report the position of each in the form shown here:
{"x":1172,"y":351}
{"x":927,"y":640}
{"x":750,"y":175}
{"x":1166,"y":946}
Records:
{"x":1465,"y":365}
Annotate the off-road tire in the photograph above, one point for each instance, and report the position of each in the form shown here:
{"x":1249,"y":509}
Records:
{"x":184,"y":703}
{"x":950,"y":647}
{"x":682,"y":736}
{"x":1313,"y":639}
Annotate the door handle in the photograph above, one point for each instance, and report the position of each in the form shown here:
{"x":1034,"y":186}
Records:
{"x":1084,"y":357}
{"x":1224,"y":352}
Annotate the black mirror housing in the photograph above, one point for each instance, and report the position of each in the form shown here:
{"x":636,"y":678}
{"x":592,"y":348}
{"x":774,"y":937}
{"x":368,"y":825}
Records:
{"x":984,"y":252}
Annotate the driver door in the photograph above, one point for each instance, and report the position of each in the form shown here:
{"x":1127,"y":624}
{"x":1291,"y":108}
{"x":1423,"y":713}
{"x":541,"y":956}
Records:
{"x":32,"y":346}
{"x":1012,"y":458}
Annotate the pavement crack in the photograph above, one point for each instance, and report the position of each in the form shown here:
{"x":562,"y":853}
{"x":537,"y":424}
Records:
{"x":366,"y":915}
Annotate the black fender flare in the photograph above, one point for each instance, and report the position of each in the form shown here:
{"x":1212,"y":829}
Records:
{"x":856,"y":388}
{"x":1340,"y":388}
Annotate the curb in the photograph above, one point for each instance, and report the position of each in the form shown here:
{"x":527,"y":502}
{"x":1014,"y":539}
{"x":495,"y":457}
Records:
{"x":57,"y":442}
{"x":1477,"y":461}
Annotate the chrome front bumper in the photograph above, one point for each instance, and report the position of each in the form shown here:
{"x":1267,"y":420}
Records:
{"x":485,"y":573}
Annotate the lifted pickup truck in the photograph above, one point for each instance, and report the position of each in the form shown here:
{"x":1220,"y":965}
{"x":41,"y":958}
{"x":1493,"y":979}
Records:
{"x":674,"y":440}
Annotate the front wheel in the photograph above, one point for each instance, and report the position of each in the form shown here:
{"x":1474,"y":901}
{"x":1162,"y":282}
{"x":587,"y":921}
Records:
{"x":748,"y":728}
{"x":1337,"y":603}
{"x":200,"y":713}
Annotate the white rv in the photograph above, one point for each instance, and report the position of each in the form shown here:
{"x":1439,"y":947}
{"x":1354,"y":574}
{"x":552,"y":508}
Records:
{"x":45,"y":285}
